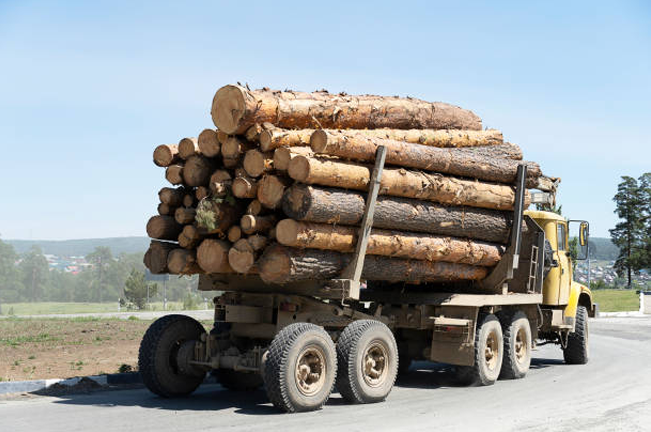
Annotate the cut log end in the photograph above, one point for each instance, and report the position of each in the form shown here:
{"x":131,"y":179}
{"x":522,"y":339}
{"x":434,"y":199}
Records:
{"x":209,"y":143}
{"x":212,"y":255}
{"x":234,"y":233}
{"x":287,"y":232}
{"x":244,"y":187}
{"x":319,"y":141}
{"x":174,"y":174}
{"x":241,"y":256}
{"x":228,"y":108}
{"x":299,"y":168}
{"x":165,"y":154}
{"x":188,"y":147}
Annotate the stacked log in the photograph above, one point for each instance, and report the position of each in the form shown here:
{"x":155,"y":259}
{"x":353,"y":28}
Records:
{"x":279,"y":189}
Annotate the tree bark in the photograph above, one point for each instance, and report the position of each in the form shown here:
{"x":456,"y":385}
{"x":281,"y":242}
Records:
{"x":174,"y":174}
{"x":212,"y":256}
{"x":251,"y":224}
{"x":388,"y":243}
{"x":208,"y":143}
{"x":188,"y":147}
{"x":336,"y":206}
{"x":257,"y":163}
{"x":245,"y":187}
{"x":183,"y":262}
{"x":163,"y":227}
{"x":172,"y":196}
{"x":449,"y":161}
{"x":235,"y":109}
{"x":166,"y":154}
{"x":278,"y":138}
{"x":284,"y":155}
{"x":271,"y":189}
{"x":156,"y":256}
{"x":403,"y":183}
{"x":185,"y":215}
{"x":279,"y":264}
{"x":506,"y":151}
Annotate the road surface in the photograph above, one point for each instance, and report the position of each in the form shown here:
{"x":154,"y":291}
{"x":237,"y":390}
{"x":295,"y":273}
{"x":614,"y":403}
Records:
{"x":611,"y":393}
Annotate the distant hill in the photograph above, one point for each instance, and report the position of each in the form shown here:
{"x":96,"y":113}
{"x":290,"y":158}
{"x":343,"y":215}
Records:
{"x":82,"y":247}
{"x":602,"y":248}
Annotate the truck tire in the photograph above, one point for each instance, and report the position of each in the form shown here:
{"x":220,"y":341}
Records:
{"x":238,"y":381}
{"x":489,"y":350}
{"x":517,"y":346}
{"x":576,"y":351}
{"x":367,"y":358}
{"x":157,"y":356}
{"x":301,"y":368}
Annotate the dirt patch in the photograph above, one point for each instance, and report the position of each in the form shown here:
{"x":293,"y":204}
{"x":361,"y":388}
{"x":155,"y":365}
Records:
{"x":57,"y":348}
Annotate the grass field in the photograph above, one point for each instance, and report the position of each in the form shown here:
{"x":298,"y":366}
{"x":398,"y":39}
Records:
{"x":47,"y":308}
{"x":611,"y":300}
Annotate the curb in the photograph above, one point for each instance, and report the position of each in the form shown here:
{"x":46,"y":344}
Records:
{"x":620,"y":314}
{"x":7,"y":387}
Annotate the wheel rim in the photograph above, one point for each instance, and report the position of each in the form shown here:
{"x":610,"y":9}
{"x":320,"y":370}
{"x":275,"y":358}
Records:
{"x":492,"y":350}
{"x":521,"y":345}
{"x":375,"y":364}
{"x":311,"y":371}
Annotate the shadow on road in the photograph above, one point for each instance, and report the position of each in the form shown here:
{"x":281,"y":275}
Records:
{"x":213,"y":397}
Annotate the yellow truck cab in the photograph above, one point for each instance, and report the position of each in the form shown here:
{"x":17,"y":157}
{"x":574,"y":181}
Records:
{"x":566,"y":304}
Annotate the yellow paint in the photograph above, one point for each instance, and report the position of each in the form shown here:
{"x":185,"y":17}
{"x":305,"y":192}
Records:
{"x":575,"y":293}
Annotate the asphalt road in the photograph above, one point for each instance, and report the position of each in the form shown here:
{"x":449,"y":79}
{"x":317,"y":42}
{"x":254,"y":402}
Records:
{"x":611,"y":393}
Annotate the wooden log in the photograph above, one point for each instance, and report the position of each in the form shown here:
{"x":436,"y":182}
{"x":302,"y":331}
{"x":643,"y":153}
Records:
{"x":241,"y":256}
{"x":216,"y":215}
{"x":235,"y":109}
{"x":254,"y":208}
{"x":172,"y":196}
{"x":257,"y":163}
{"x":284,"y":155}
{"x":399,"y":244}
{"x":234,"y":147}
{"x":278,"y":138}
{"x":336,"y":206}
{"x":230,"y":163}
{"x":197,"y":170}
{"x":357,"y":147}
{"x":251,"y":224}
{"x":166,"y":154}
{"x":258,"y":242}
{"x":212,"y":256}
{"x":220,"y":183}
{"x":280,"y":264}
{"x":163,"y":227}
{"x":190,"y":198}
{"x":174,"y":174}
{"x":404,"y":183}
{"x":185,"y":215}
{"x":188,"y":147}
{"x":202,"y":192}
{"x":253,"y":133}
{"x":155,"y":258}
{"x":166,"y":209}
{"x":222,"y":137}
{"x":234,"y":233}
{"x":190,"y":237}
{"x":274,"y":138}
{"x":271,"y":189}
{"x":506,"y":151}
{"x":245,"y":187}
{"x":208,"y":142}
{"x":183,"y":262}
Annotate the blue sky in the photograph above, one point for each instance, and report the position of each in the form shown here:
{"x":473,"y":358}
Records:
{"x":88,"y":89}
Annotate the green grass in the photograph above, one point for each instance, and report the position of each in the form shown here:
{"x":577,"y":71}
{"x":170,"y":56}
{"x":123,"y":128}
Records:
{"x":612,"y":300}
{"x":49,"y":308}
{"x":18,"y":340}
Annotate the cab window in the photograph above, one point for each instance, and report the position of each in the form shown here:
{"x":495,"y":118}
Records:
{"x":561,"y":236}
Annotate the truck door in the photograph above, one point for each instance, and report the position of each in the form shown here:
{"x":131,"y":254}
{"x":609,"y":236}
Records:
{"x":564,"y":263}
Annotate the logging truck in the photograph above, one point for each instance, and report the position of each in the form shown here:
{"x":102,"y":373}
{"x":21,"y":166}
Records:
{"x":302,"y":340}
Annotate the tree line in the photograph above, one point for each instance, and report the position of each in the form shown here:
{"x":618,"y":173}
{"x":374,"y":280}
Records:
{"x":632,"y":235}
{"x":28,"y":278}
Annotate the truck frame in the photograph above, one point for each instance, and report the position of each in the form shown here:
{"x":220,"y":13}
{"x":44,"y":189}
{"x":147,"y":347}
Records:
{"x":302,"y":339}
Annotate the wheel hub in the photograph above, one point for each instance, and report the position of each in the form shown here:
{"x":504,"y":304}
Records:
{"x":374,"y":364}
{"x":310,"y":371}
{"x":521,"y":345}
{"x":491,"y":352}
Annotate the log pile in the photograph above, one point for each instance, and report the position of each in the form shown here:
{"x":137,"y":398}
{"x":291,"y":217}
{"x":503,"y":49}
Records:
{"x":278,"y":189}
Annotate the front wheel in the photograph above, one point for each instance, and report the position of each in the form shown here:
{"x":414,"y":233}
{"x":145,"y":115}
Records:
{"x":576,"y":351}
{"x":301,"y":368}
{"x":367,"y":355}
{"x":158,"y":356}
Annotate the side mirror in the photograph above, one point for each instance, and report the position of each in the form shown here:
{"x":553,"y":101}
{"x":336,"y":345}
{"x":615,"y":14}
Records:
{"x":583,"y":234}
{"x":580,"y":233}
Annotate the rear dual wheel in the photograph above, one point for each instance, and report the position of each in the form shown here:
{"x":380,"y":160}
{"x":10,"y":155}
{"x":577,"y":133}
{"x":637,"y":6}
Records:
{"x":489,"y":353}
{"x":517,"y":346}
